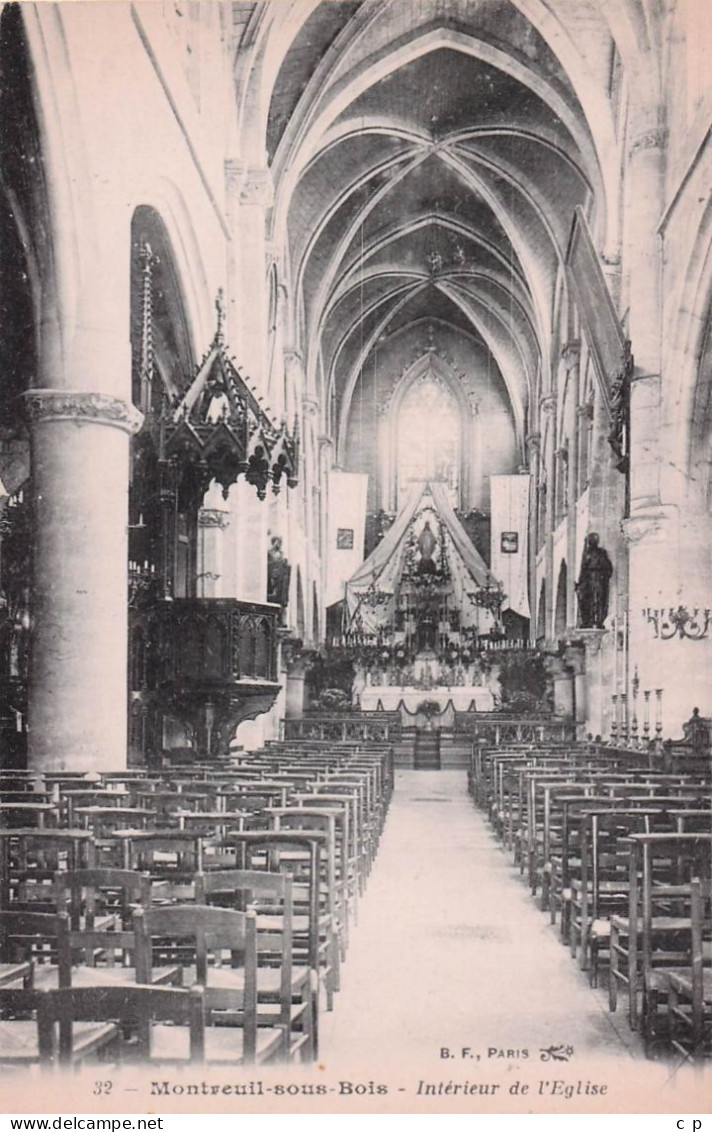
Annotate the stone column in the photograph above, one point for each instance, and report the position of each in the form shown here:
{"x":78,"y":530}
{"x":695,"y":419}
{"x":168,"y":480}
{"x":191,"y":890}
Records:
{"x":295,"y":670}
{"x":670,"y":632}
{"x":548,"y":408}
{"x":595,"y":717}
{"x":533,"y":443}
{"x":563,"y":681}
{"x":212,"y":522}
{"x":310,"y":466}
{"x":249,"y":195}
{"x":572,"y":360}
{"x":294,"y":706}
{"x":576,"y":661}
{"x":77,"y":686}
{"x":644,"y":204}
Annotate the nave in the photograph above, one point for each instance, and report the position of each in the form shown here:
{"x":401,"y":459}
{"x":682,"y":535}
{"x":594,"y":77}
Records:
{"x":452,"y":946}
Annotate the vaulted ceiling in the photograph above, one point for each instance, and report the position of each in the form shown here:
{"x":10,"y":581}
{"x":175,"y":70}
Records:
{"x":427,"y":157}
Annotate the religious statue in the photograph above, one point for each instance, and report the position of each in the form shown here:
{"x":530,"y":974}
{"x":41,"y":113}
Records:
{"x":426,"y":544}
{"x":215,"y":405}
{"x":278,"y":573}
{"x":697,"y":732}
{"x":593,"y":584}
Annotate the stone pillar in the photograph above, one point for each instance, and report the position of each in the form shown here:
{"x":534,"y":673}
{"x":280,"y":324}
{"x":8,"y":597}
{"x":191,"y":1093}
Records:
{"x":294,"y":706}
{"x":644,"y":204}
{"x":212,"y":522}
{"x":548,"y":408}
{"x":295,"y":672}
{"x":533,"y":443}
{"x":595,"y":683}
{"x":474,"y":485}
{"x":563,"y":680}
{"x":575,"y":657}
{"x":294,"y":381}
{"x":250,"y":517}
{"x":572,"y":360}
{"x":249,"y":196}
{"x":670,"y":633}
{"x":77,"y":685}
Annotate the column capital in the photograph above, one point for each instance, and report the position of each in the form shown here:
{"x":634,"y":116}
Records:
{"x":533,"y":441}
{"x":590,"y":640}
{"x":585,"y":411}
{"x":575,"y":656}
{"x":571,"y":354}
{"x":645,"y":523}
{"x":47,"y":405}
{"x":310,"y":406}
{"x":654,"y":137}
{"x":213,"y":517}
{"x":547,"y":403}
{"x":257,"y":188}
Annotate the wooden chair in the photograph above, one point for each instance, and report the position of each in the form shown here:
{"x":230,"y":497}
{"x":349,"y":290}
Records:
{"x":201,"y":937}
{"x":34,"y":942}
{"x":29,"y":859}
{"x":24,"y":1040}
{"x":287,"y":992}
{"x":643,"y":942}
{"x":301,"y":853}
{"x":689,"y":999}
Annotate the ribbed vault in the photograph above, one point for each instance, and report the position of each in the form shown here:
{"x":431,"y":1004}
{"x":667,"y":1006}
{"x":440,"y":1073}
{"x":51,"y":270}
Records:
{"x":427,"y":158}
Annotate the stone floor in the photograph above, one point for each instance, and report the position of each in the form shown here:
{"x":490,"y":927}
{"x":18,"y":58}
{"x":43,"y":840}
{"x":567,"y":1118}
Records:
{"x":451,"y":953}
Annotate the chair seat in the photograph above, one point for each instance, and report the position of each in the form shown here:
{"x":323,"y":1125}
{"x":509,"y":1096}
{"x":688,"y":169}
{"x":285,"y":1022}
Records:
{"x":229,"y":978}
{"x":658,"y":978}
{"x":223,"y":1044}
{"x":19,"y":1045}
{"x":658,"y":923}
{"x":682,"y":982}
{"x":14,"y":972}
{"x":300,"y":924}
{"x":46,"y":977}
{"x":600,"y":929}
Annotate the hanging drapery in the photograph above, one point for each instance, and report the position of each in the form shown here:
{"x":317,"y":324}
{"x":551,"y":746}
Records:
{"x":510,"y":539}
{"x":426,"y":550}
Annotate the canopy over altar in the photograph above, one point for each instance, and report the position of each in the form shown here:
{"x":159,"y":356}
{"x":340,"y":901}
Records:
{"x":424,"y":599}
{"x":424,"y":581}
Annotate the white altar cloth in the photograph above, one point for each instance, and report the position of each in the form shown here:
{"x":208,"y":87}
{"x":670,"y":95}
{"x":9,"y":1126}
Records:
{"x":388,"y":697}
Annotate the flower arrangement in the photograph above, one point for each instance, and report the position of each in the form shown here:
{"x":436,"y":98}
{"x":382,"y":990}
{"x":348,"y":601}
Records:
{"x":429,"y":708}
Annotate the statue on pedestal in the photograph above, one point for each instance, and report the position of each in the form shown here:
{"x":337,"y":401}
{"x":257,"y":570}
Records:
{"x":278,"y":573}
{"x":593,"y":584}
{"x":426,"y":544}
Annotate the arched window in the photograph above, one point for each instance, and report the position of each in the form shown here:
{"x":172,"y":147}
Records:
{"x":428,"y":438}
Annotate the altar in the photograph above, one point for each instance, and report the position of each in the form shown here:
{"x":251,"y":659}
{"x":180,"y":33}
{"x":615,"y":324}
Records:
{"x":388,"y":697}
{"x":421,"y":610}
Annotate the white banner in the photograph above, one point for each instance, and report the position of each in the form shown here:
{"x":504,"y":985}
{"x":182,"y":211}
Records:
{"x":347,"y":530}
{"x":509,"y":497}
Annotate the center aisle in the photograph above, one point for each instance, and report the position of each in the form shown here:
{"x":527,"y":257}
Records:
{"x":451,"y":951}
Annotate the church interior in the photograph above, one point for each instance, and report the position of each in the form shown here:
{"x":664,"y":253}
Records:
{"x":355,"y":539}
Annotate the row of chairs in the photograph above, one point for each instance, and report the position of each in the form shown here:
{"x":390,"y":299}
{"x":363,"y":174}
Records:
{"x":232,"y":883}
{"x":620,"y":854}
